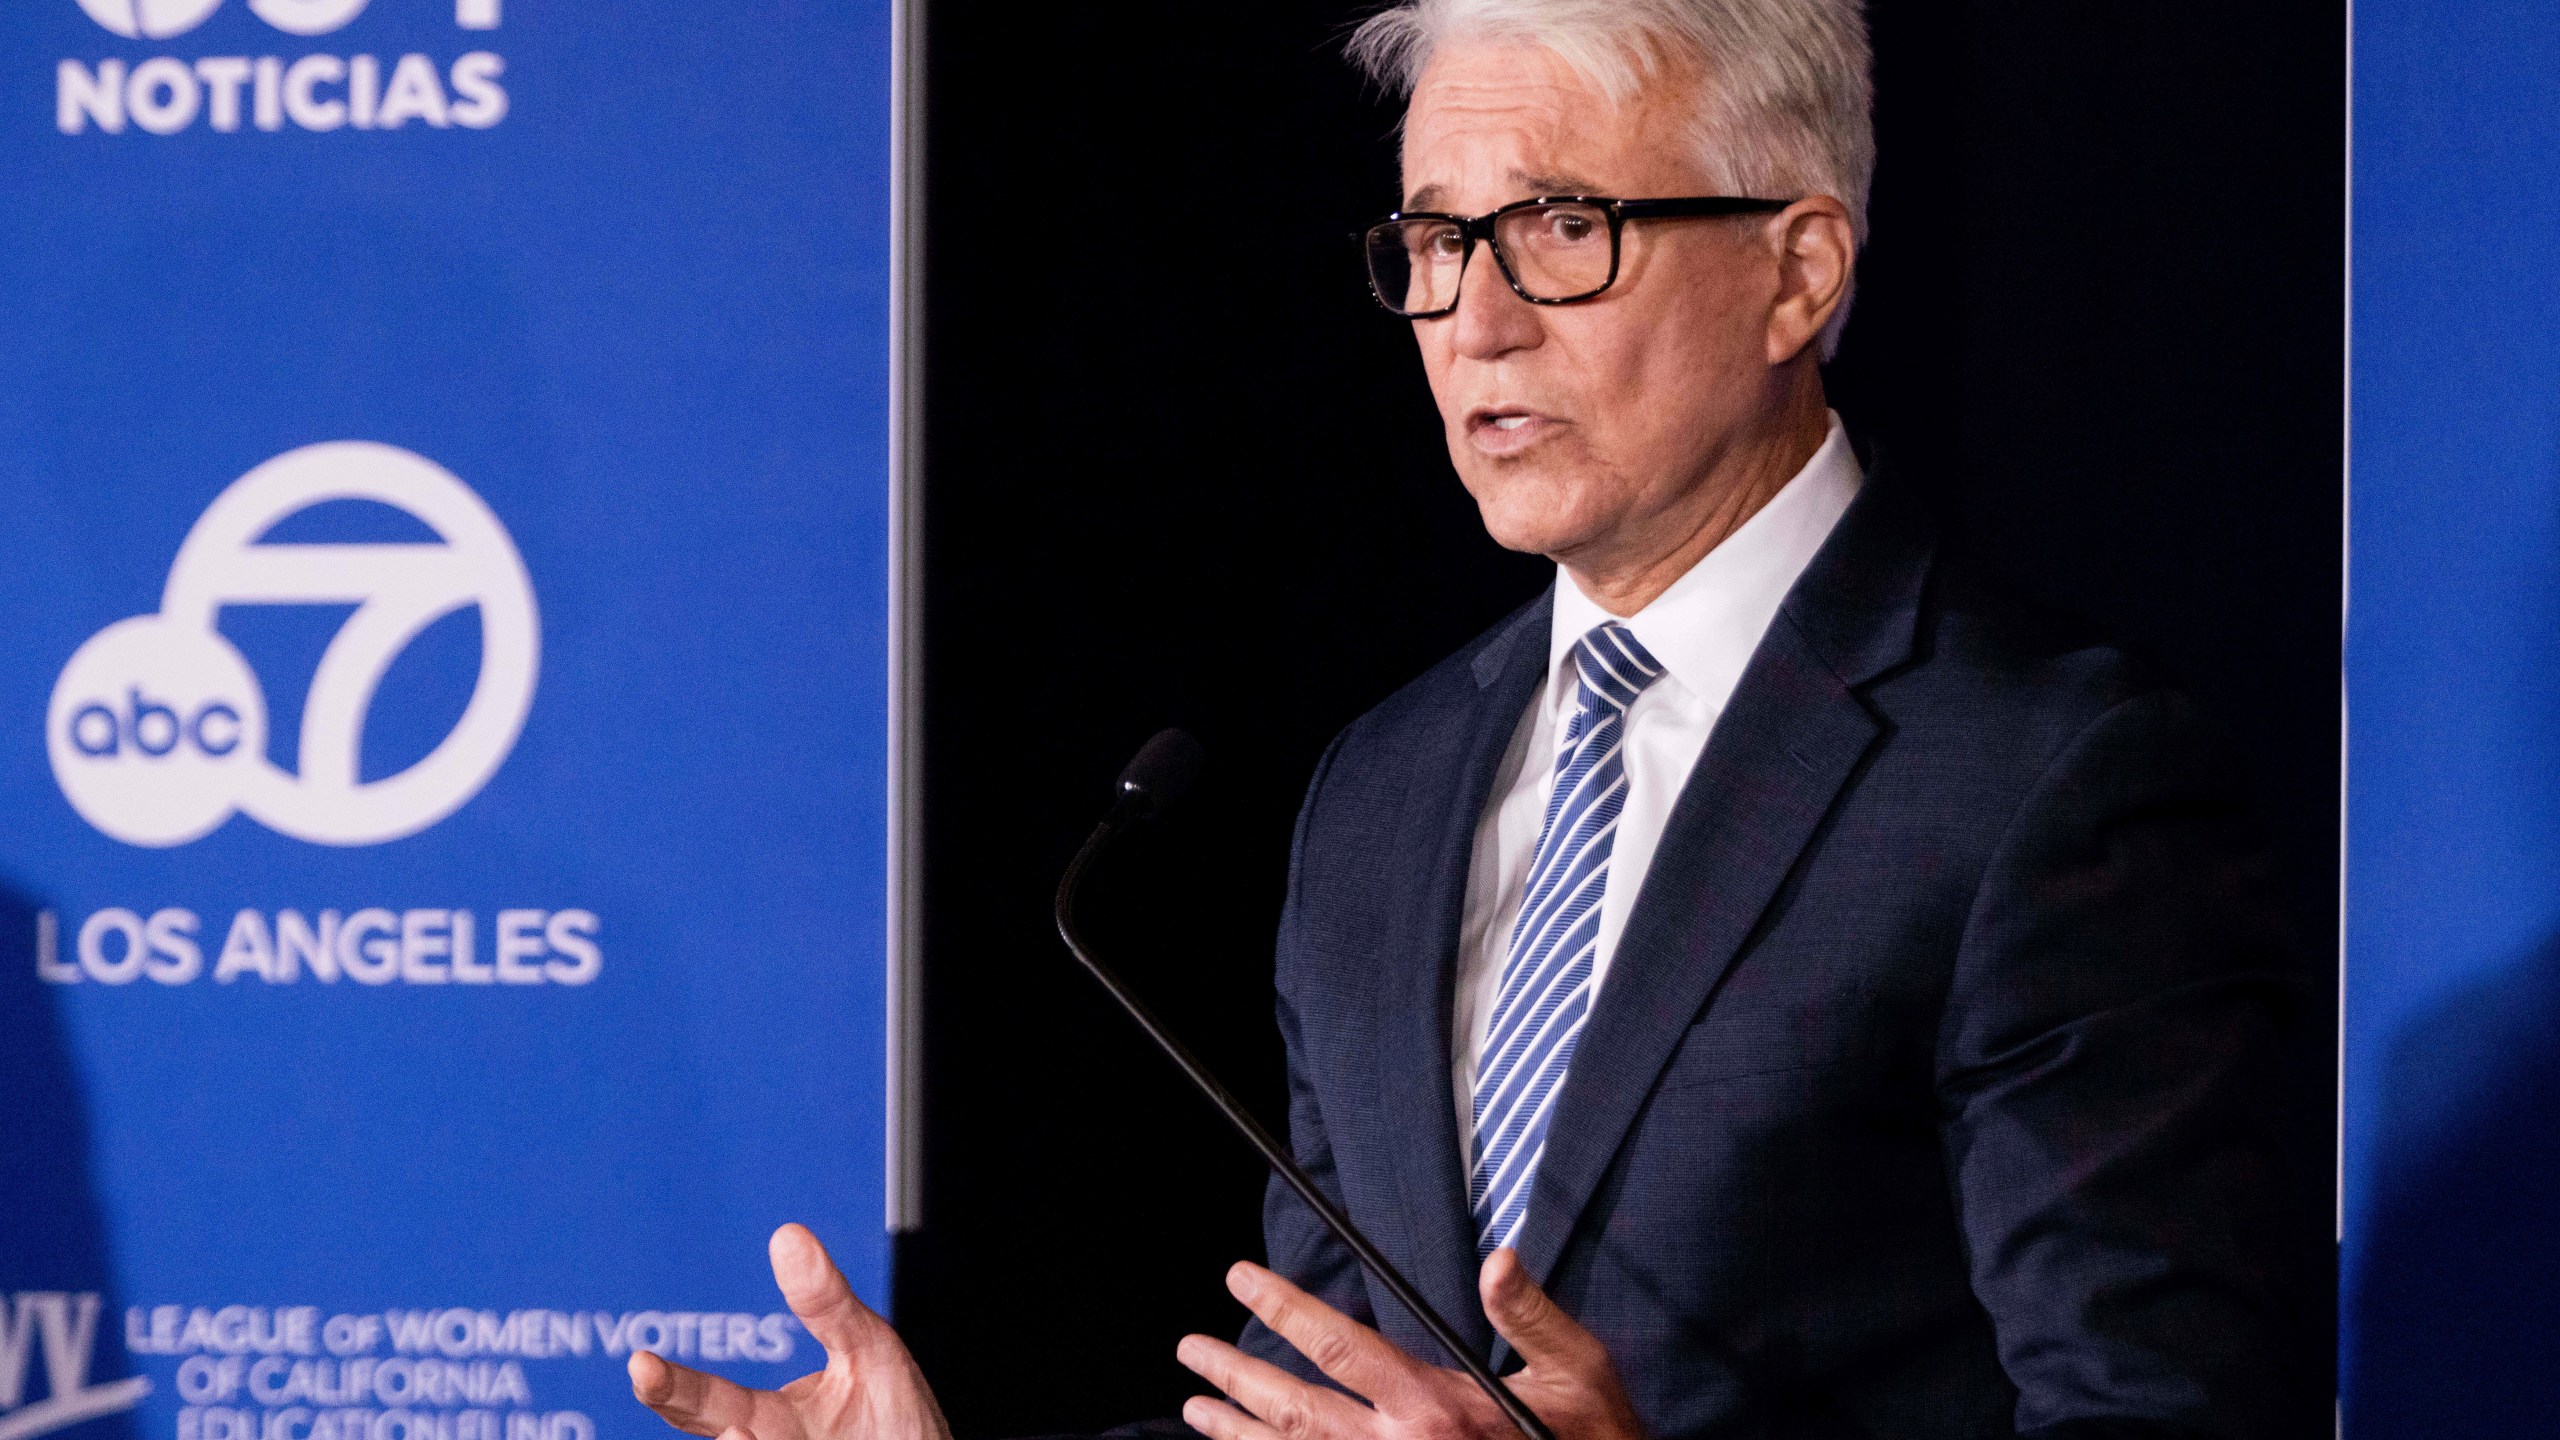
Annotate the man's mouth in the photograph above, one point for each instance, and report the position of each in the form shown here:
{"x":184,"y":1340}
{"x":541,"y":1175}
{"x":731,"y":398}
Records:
{"x":1505,"y":430}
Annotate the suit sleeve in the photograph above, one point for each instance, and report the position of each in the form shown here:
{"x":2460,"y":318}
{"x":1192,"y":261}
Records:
{"x":2109,"y":1071}
{"x":1297,"y":1243}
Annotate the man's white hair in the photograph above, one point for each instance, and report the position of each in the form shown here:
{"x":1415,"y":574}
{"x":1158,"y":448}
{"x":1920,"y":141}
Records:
{"x":1786,"y":108}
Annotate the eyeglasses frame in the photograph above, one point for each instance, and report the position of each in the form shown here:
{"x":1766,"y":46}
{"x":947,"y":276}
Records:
{"x":1480,"y":227}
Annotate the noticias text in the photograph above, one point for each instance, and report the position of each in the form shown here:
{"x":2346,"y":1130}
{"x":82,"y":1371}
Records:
{"x":165,"y":95}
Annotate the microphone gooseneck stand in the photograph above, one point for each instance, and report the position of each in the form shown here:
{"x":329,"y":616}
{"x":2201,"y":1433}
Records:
{"x":1162,"y":769}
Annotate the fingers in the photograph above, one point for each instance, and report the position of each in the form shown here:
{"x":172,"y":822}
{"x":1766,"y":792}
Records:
{"x":1221,"y":1421}
{"x":1521,"y":1313}
{"x":1279,"y":1400}
{"x":691,"y":1401}
{"x":1340,"y":1346}
{"x":816,"y":1292}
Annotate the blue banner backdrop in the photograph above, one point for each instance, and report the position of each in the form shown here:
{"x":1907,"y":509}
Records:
{"x":2451,"y":1194}
{"x":443,"y":696}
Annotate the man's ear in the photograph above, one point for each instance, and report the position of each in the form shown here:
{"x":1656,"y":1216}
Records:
{"x":1816,"y":251}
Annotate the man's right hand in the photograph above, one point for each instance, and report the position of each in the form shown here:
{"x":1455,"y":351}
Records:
{"x":870,"y":1390}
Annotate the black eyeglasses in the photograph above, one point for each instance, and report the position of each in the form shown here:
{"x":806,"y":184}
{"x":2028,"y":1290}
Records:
{"x":1553,"y":250}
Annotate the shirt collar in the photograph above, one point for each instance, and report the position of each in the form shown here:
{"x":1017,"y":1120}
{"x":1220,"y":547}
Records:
{"x":1704,"y":628}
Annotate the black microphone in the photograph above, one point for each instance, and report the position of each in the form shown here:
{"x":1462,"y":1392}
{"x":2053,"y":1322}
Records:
{"x":1155,"y":778}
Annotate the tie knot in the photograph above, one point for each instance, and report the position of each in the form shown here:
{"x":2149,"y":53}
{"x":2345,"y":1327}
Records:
{"x":1615,"y":666}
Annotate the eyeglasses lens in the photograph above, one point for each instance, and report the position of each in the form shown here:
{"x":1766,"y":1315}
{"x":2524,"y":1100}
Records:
{"x":1555,"y":252}
{"x":1415,"y":265}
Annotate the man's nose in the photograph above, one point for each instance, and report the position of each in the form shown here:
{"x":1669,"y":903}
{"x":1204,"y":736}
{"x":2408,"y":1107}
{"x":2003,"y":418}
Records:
{"x":1491,"y":319}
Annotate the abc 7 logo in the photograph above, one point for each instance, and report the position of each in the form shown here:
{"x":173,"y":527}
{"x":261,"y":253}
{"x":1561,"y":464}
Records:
{"x":158,"y":728}
{"x":160,"y":19}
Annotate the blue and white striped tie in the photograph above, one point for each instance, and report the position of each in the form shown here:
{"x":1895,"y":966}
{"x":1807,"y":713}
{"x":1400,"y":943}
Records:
{"x":1546,"y":978}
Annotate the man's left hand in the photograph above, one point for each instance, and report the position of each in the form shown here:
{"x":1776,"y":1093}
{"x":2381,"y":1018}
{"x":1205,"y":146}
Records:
{"x":1568,"y":1381}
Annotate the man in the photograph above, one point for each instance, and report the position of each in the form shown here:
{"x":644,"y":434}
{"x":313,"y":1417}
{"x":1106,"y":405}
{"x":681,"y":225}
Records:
{"x":1768,"y":986}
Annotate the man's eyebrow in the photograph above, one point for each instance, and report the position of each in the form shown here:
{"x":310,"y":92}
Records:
{"x":1530,"y":186}
{"x":1551,"y":184}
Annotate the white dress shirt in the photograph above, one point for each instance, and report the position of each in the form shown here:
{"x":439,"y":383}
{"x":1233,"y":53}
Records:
{"x":1703,"y":630}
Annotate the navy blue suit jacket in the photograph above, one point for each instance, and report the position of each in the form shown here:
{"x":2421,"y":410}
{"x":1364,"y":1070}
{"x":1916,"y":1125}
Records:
{"x":1929,"y":1093}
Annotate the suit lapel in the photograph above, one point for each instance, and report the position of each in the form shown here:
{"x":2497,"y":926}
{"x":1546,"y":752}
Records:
{"x":1442,"y":806}
{"x":1790,"y":738}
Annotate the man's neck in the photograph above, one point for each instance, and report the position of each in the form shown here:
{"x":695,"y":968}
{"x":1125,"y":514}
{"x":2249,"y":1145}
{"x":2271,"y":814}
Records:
{"x":1629,"y":578}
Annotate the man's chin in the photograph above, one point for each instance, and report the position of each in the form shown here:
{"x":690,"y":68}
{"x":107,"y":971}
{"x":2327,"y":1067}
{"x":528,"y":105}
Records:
{"x":1540,"y":503}
{"x":1541,"y":533}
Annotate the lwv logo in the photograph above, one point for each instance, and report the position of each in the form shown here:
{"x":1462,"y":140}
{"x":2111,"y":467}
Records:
{"x":64,"y":1327}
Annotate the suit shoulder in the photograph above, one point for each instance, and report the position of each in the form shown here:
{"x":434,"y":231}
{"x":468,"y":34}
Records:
{"x":1419,"y":706}
{"x":2019,"y":677}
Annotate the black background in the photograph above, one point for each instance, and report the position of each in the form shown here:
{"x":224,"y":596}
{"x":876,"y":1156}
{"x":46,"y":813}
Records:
{"x":1181,"y":471}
